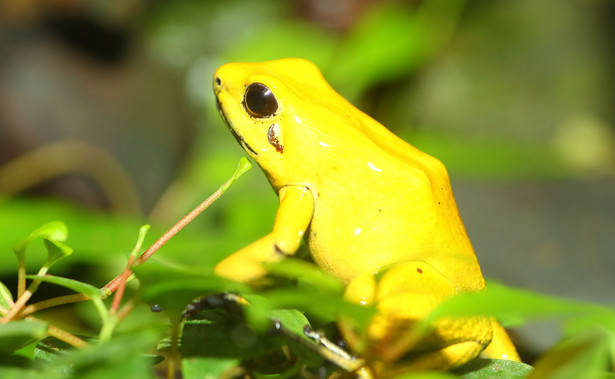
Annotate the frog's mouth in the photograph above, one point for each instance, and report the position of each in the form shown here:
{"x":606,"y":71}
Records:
{"x":238,"y":138}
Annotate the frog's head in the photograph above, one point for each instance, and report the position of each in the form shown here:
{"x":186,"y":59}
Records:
{"x":268,"y":107}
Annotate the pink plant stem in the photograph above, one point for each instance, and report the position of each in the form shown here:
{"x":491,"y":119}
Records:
{"x":115,"y":283}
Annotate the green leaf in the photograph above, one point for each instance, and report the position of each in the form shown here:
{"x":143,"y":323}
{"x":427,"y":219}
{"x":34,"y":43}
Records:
{"x":584,"y":355}
{"x":203,"y":367}
{"x":17,"y":334}
{"x":174,"y":287}
{"x":17,"y":368}
{"x":292,"y":326}
{"x":55,"y":251}
{"x":142,"y":233}
{"x":427,"y":375}
{"x":244,"y":165}
{"x":306,"y":273}
{"x":222,"y":334}
{"x":49,"y":350}
{"x":493,"y":368}
{"x":327,"y":307}
{"x":104,"y":241}
{"x":88,"y":290}
{"x":122,"y":357}
{"x":6,"y":297}
{"x":292,"y":320}
{"x":506,"y":303}
{"x":55,"y":231}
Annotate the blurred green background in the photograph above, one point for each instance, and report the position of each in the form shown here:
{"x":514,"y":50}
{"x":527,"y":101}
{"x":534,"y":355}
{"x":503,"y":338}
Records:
{"x":107,"y":121}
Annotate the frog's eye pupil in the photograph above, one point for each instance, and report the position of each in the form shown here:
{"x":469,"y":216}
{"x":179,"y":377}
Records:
{"x":259,"y":101}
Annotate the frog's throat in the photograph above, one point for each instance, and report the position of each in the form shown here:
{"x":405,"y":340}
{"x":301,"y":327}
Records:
{"x":238,"y":138}
{"x":242,"y":142}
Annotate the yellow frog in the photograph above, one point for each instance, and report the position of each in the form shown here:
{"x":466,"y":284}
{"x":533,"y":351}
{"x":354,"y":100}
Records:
{"x":376,"y":213}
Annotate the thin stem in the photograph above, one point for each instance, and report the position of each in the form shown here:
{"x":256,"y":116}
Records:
{"x":60,"y":334}
{"x":173,"y":351}
{"x":21,"y":275}
{"x":23,"y":299}
{"x":65,"y":336}
{"x":114,"y":284}
{"x":107,"y":329}
{"x":117,"y":299}
{"x":126,"y":309}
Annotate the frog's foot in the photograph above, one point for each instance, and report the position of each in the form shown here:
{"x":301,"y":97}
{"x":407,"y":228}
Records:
{"x":292,"y":219}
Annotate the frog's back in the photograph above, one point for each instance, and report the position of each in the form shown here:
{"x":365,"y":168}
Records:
{"x":383,"y":209}
{"x":380,"y":200}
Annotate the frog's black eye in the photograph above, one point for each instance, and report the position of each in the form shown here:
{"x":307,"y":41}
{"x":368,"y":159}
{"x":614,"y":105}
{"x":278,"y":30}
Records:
{"x":259,"y":101}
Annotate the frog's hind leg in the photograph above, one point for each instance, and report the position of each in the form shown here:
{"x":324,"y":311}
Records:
{"x":501,"y":347}
{"x":404,"y":294}
{"x":445,"y":358}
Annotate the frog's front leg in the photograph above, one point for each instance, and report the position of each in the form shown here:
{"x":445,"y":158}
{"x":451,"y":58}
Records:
{"x":404,"y":294}
{"x":292,"y":219}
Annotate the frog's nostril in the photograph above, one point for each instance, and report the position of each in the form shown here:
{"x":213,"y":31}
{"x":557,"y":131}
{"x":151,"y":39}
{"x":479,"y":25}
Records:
{"x":218,"y":81}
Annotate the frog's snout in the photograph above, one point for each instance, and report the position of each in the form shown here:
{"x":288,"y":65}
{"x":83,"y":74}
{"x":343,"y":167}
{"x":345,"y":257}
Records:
{"x":221,"y":112}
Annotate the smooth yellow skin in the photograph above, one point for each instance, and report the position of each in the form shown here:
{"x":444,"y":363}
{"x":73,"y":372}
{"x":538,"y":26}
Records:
{"x":376,"y":212}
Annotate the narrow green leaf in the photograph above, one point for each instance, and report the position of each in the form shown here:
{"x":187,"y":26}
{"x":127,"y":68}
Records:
{"x":15,"y":335}
{"x":327,"y":307}
{"x":427,"y":375}
{"x":94,"y":293}
{"x":16,"y":367}
{"x":174,"y":287}
{"x":512,"y":304}
{"x":80,"y":287}
{"x":244,"y":165}
{"x":121,"y":357}
{"x":175,"y":295}
{"x":55,"y":231}
{"x":306,"y":273}
{"x":55,"y":251}
{"x":585,"y":355}
{"x":292,"y":320}
{"x":142,"y":233}
{"x":6,"y":297}
{"x":50,"y":349}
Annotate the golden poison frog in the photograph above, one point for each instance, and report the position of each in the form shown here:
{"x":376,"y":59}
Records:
{"x":376,"y":213}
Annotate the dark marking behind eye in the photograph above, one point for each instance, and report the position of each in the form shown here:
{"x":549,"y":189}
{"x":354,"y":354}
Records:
{"x":272,"y":136}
